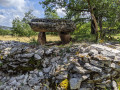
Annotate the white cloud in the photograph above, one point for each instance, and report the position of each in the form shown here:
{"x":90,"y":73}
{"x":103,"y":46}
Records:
{"x":2,"y":17}
{"x":18,"y":4}
{"x":61,"y":12}
{"x":15,"y":8}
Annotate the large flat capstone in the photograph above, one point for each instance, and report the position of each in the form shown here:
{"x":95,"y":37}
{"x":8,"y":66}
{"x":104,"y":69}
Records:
{"x":52,"y":25}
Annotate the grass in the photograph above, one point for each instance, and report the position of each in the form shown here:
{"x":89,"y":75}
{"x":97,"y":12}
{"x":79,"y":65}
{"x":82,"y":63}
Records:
{"x":27,"y":39}
{"x":118,"y":82}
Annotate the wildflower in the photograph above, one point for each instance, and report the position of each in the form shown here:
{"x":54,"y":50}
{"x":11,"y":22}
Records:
{"x":77,"y":53}
{"x":101,"y":41}
{"x":64,"y":84}
{"x":1,"y":57}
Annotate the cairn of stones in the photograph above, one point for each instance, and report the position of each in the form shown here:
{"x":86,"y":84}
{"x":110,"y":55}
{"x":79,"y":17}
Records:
{"x":62,"y":26}
{"x":85,"y":66}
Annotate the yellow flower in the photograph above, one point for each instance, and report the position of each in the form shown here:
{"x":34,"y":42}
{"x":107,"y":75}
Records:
{"x":64,"y":84}
{"x":101,"y":41}
{"x":1,"y":57}
{"x":77,"y":53}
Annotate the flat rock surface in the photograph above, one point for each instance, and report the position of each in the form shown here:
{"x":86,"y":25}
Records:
{"x":52,"y":25}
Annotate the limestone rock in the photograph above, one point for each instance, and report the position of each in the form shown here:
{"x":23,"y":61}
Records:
{"x":92,"y":68}
{"x":80,"y":70}
{"x":75,"y":83}
{"x":40,"y":52}
{"x":29,"y":55}
{"x":114,"y":85}
{"x":37,"y":57}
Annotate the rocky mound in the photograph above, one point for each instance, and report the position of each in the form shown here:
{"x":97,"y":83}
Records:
{"x":76,"y":67}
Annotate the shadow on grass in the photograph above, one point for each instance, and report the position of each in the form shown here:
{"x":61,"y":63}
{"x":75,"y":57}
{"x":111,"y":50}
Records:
{"x":83,"y":38}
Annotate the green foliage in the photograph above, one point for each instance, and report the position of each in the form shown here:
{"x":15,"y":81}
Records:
{"x":21,"y":27}
{"x":51,"y":14}
{"x":52,"y":33}
{"x":82,"y":33}
{"x":82,"y":29}
{"x":103,"y":10}
{"x":33,"y":41}
{"x":5,"y":32}
{"x":28,"y":16}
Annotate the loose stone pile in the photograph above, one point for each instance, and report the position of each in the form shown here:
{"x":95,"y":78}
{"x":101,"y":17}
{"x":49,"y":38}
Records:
{"x":85,"y":66}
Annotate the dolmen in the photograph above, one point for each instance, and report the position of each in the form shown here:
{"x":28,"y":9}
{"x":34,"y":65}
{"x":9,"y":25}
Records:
{"x":63,"y":26}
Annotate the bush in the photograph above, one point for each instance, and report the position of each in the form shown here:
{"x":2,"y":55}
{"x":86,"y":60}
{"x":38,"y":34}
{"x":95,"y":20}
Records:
{"x":82,"y":29}
{"x":22,"y":29}
{"x":5,"y":32}
{"x":83,"y":33}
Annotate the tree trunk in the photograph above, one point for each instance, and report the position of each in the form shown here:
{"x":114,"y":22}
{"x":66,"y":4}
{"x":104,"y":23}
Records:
{"x":93,"y":30}
{"x":92,"y":26}
{"x":100,"y":25}
{"x":94,"y":19}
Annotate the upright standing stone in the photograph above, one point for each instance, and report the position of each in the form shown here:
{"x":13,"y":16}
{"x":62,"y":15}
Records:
{"x":65,"y":37}
{"x":42,"y":38}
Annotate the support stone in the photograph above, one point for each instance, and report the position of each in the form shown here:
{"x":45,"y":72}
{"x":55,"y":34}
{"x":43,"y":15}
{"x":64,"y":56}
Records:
{"x":65,"y":37}
{"x":42,"y":38}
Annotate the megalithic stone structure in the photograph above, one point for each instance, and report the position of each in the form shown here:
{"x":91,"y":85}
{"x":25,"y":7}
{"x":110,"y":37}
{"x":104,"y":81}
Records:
{"x":62,"y":26}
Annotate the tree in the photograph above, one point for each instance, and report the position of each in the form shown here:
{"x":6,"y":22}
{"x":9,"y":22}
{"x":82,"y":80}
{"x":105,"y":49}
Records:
{"x":21,"y":27}
{"x":51,"y":14}
{"x":99,"y":10}
{"x":28,"y":16}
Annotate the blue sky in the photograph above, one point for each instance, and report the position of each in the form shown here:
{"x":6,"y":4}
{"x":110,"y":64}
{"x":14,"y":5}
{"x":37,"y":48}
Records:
{"x":10,"y":9}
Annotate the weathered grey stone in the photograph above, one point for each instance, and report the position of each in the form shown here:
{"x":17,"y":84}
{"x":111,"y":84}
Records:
{"x":101,"y":47}
{"x":108,"y":54}
{"x":114,"y":85}
{"x":36,"y":87}
{"x":80,"y":70}
{"x":52,"y":25}
{"x":13,"y":82}
{"x":55,"y":59}
{"x":47,"y":70}
{"x":41,"y":75}
{"x":37,"y":57}
{"x":75,"y":83}
{"x":40,"y":52}
{"x":49,"y":51}
{"x":62,"y":75}
{"x":92,"y":68}
{"x":84,"y":77}
{"x":25,"y":87}
{"x":27,"y":55}
{"x":20,"y":77}
{"x":93,"y":52}
{"x":97,"y":63}
{"x":25,"y":79}
{"x":33,"y":81}
{"x":115,"y":66}
{"x":85,"y":89}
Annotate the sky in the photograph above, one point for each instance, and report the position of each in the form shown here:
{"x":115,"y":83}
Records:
{"x":11,"y":9}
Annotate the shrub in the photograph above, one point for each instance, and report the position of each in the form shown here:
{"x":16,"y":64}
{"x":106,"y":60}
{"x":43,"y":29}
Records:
{"x":5,"y":32}
{"x":22,"y":29}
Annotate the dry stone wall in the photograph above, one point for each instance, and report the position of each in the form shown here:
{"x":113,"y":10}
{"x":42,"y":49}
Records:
{"x":83,"y":66}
